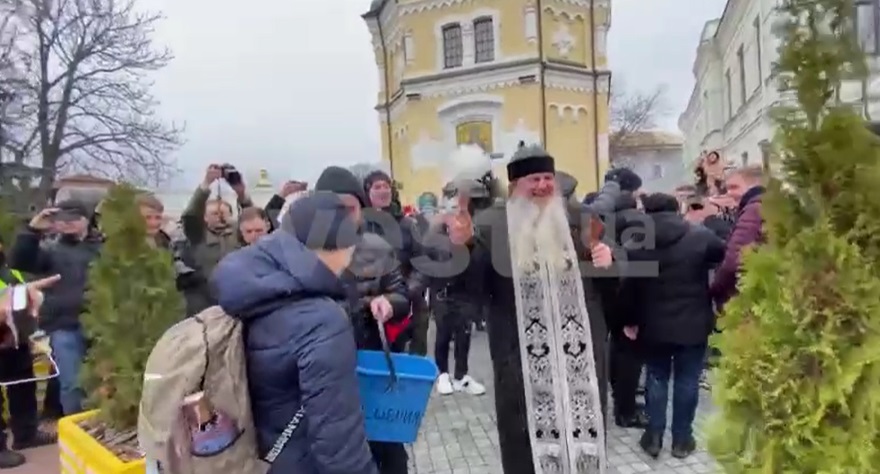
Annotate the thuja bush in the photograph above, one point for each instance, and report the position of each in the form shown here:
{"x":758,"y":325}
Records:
{"x":131,"y":301}
{"x":798,"y":384}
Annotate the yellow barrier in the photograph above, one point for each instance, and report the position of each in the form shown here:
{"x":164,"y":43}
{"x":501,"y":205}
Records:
{"x":82,"y":454}
{"x":41,"y":369}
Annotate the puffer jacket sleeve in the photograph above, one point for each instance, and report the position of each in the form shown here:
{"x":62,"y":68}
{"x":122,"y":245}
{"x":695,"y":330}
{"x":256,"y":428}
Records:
{"x":394,"y":287}
{"x":746,"y":231}
{"x":326,"y":361}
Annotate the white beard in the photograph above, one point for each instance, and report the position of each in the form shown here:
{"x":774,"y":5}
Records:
{"x":542,"y":231}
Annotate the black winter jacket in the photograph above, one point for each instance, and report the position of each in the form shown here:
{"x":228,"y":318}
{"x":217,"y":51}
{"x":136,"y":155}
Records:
{"x":71,"y":259}
{"x":374,"y":272}
{"x":674,"y":307}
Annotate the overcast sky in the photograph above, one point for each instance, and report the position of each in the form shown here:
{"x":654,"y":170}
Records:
{"x":290,"y":85}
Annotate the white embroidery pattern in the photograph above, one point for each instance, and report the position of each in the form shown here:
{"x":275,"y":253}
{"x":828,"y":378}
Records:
{"x":566,"y":424}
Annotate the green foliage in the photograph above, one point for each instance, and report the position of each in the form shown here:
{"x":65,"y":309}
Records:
{"x":9,"y":223}
{"x":799,"y":382}
{"x":131,"y":301}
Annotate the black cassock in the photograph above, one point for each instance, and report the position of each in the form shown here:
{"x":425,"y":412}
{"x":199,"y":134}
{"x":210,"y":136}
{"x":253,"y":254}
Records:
{"x":490,"y":268}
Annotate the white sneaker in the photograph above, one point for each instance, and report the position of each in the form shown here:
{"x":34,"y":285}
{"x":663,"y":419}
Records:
{"x":444,"y":385}
{"x":468,"y":385}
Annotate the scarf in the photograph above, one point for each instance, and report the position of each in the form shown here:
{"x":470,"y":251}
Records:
{"x":563,"y":406}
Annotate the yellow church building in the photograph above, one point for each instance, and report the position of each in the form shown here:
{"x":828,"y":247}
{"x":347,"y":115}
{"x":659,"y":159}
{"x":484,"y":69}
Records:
{"x":492,"y":72}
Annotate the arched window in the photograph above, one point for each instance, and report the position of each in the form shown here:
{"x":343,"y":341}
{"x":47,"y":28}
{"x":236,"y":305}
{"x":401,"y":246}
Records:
{"x":475,"y":133}
{"x":484,"y":40}
{"x":453,"y":49}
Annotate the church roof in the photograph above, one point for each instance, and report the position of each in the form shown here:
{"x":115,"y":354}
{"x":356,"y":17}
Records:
{"x":375,"y":7}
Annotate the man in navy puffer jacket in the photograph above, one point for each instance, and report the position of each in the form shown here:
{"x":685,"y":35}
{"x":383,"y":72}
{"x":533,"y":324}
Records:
{"x":299,"y":342}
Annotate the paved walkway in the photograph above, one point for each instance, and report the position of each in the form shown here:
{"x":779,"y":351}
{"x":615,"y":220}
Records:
{"x":459,"y":436}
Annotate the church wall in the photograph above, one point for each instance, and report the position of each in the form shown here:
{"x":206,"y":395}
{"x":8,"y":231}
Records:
{"x":566,"y":33}
{"x":570,"y":135}
{"x":495,"y":103}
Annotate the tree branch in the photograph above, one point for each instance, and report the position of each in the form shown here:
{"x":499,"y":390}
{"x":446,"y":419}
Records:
{"x":633,"y":113}
{"x":86,"y":101}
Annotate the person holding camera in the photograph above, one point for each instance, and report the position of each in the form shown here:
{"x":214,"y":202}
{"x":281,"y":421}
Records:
{"x":209,"y":234}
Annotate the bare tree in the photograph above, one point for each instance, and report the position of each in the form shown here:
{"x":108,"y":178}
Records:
{"x":632,"y":113}
{"x":88,"y":102}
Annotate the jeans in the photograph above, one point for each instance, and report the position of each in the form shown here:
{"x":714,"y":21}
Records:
{"x":685,"y":363}
{"x":69,"y":350}
{"x":17,"y":364}
{"x":454,"y":322}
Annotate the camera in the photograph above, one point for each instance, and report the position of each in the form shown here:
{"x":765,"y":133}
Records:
{"x":230,"y":174}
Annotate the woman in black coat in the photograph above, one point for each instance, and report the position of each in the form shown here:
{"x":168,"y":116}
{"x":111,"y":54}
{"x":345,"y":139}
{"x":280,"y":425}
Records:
{"x":376,"y":282}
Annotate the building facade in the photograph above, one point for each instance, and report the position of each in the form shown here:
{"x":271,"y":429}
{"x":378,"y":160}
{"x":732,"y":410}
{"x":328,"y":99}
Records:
{"x":656,"y":157}
{"x":495,"y":73}
{"x":735,"y":87}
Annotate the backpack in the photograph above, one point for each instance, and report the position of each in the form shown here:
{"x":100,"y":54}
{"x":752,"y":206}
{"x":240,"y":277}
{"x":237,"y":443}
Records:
{"x":198,"y":367}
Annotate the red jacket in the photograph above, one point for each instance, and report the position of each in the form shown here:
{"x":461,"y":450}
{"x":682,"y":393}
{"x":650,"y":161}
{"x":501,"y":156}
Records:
{"x":748,"y":230}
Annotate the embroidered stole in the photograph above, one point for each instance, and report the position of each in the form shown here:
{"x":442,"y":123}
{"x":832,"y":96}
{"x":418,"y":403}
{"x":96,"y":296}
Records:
{"x":564,"y":411}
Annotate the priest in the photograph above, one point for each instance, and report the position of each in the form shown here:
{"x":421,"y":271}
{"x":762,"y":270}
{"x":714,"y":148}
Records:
{"x":540,"y":261}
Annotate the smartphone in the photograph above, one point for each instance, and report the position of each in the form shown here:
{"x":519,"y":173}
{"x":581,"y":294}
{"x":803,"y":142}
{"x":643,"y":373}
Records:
{"x":22,"y":324}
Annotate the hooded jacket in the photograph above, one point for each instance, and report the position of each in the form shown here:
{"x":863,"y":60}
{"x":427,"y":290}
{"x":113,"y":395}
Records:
{"x":674,"y":307}
{"x":300,"y":352}
{"x":748,"y":229}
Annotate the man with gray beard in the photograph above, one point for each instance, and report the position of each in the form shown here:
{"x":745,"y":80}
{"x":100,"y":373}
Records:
{"x":537,"y":258}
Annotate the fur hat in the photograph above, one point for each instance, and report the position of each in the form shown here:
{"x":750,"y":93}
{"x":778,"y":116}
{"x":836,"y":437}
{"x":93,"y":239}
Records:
{"x":529,"y":159}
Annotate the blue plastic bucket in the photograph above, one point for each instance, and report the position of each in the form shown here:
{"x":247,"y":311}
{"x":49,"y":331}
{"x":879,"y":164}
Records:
{"x":394,"y":415}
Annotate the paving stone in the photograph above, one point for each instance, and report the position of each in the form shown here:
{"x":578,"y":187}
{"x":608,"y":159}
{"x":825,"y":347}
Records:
{"x":459,"y":425}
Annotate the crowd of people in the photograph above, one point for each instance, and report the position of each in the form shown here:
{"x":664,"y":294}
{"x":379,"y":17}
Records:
{"x":579,"y":295}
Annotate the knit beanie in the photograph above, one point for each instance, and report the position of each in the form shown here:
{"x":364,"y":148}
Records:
{"x":341,"y":181}
{"x":321,"y":221}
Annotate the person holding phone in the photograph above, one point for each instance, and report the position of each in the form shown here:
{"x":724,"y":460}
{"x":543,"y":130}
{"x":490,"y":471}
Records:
{"x":70,"y":256}
{"x":18,"y":301}
{"x":209,"y":234}
{"x":276,"y":205}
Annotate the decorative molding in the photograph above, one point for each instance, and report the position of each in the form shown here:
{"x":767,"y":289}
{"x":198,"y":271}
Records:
{"x":563,"y":40}
{"x":399,"y":66}
{"x":560,"y":13}
{"x":601,"y":39}
{"x":409,"y":47}
{"x":573,"y":82}
{"x":604,"y":151}
{"x":420,"y":6}
{"x":430,"y":151}
{"x":530,"y":22}
{"x":487,"y":81}
{"x":477,"y":83}
{"x":569,"y":111}
{"x":483,"y":100}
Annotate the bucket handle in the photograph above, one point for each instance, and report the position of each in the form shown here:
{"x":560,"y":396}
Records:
{"x":387,"y":350}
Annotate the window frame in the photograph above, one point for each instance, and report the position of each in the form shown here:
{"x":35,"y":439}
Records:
{"x":729,"y":91}
{"x":490,"y":40}
{"x":759,"y":51}
{"x":451,"y":58}
{"x":873,"y":6}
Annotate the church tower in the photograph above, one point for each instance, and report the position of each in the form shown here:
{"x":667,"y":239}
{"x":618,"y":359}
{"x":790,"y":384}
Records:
{"x":495,"y":73}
